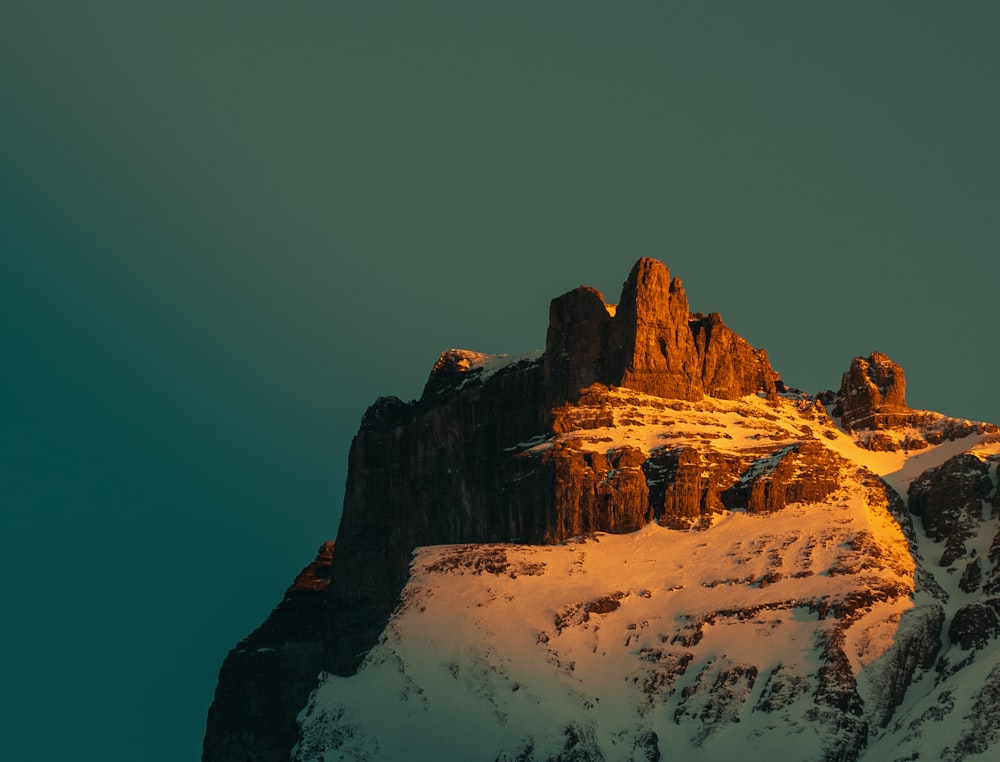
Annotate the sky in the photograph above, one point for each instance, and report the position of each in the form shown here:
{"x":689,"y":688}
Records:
{"x":226,"y":228}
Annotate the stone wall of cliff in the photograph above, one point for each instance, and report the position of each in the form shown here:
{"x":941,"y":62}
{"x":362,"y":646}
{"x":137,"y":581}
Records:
{"x":649,"y":342}
{"x":453,"y":467}
{"x":266,"y":679}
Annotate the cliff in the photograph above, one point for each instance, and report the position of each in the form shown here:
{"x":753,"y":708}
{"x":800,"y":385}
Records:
{"x":635,"y":413}
{"x":448,"y":468}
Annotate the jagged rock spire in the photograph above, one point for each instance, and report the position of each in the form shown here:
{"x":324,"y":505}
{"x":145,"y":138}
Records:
{"x":652,"y":328}
{"x":872,"y":394}
{"x":651,"y":343}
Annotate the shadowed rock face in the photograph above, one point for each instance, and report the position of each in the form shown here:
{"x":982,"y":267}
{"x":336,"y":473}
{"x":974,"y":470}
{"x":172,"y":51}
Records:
{"x":479,"y":459}
{"x":950,"y":500}
{"x":266,"y":679}
{"x":576,"y":345}
{"x":595,"y":492}
{"x":452,"y":468}
{"x":435,"y":471}
{"x":730,"y":368}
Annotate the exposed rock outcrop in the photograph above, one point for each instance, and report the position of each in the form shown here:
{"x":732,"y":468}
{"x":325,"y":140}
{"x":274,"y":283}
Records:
{"x":798,"y":473}
{"x":266,"y":679}
{"x":577,"y":344}
{"x":687,"y":484}
{"x":975,"y":624}
{"x":950,"y":500}
{"x":594,"y":492}
{"x":915,"y":648}
{"x":678,"y":488}
{"x":635,"y":412}
{"x":650,"y":343}
{"x":453,"y":467}
{"x":435,"y":471}
{"x":653,"y":349}
{"x":872,"y":394}
{"x":730,"y":367}
{"x":445,"y":469}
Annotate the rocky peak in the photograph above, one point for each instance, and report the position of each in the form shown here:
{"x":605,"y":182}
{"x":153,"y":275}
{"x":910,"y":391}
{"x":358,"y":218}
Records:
{"x":637,"y":413}
{"x":730,"y":367}
{"x":650,"y":343}
{"x":277,"y":665}
{"x":450,"y":369}
{"x":315,"y":578}
{"x":576,"y":344}
{"x":872,"y":394}
{"x":658,"y":354}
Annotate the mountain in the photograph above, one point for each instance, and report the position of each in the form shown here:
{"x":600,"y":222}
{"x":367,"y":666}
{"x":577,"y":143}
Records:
{"x":639,"y":544}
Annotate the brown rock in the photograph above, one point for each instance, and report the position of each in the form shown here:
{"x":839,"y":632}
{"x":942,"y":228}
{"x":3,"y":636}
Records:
{"x":687,"y":484}
{"x":652,"y":334}
{"x":275,"y":667}
{"x":804,"y":472}
{"x":730,"y":367}
{"x":593,"y":410}
{"x":453,"y":367}
{"x":440,"y":475}
{"x":461,"y":466}
{"x":576,"y":344}
{"x":676,"y":486}
{"x":872,"y":394}
{"x":596,"y":492}
{"x":650,"y":343}
{"x":949,"y":499}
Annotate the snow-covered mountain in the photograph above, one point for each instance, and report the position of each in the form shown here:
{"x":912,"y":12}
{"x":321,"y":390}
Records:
{"x":640,"y":544}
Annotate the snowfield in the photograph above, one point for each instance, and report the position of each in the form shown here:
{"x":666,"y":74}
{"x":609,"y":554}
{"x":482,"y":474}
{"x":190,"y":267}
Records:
{"x":799,"y":634}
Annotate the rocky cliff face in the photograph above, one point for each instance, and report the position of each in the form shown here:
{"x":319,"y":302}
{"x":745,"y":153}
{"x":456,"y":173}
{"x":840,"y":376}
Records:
{"x":650,"y":342}
{"x":873,"y":394}
{"x":270,"y":673}
{"x":641,"y":413}
{"x":450,"y":467}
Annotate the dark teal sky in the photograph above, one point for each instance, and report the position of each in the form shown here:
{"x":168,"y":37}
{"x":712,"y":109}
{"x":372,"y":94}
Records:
{"x":227,"y":227}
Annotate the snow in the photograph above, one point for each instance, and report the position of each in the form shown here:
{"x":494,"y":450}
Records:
{"x":931,"y":720}
{"x":734,"y":426}
{"x":476,"y":662}
{"x":649,"y":423}
{"x":900,"y":468}
{"x":489,"y":365}
{"x":711,"y":639}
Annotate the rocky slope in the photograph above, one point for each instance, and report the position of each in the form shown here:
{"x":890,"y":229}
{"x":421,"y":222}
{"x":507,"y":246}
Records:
{"x":644,"y":531}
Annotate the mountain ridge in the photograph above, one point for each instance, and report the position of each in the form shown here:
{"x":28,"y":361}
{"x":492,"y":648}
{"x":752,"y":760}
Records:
{"x":635,"y":415}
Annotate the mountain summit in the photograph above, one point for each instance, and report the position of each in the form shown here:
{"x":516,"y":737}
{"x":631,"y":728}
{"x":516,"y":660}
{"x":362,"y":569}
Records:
{"x":639,"y":543}
{"x":650,"y":342}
